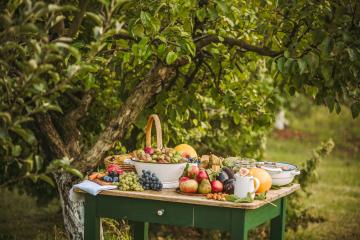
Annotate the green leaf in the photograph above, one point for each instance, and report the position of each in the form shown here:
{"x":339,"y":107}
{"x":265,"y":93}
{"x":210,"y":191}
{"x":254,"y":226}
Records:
{"x":6,"y":117}
{"x":150,"y":22}
{"x":145,"y":18}
{"x":73,"y":51}
{"x":74,"y":172}
{"x":171,"y":57}
{"x":337,"y":108}
{"x":355,"y":109}
{"x":288,"y":65}
{"x":38,"y":162}
{"x":222,"y":6}
{"x":138,"y":31}
{"x":47,"y":179}
{"x":97,"y":18}
{"x":330,"y":102}
{"x":16,"y":150}
{"x":312,"y":60}
{"x":287,"y":53}
{"x":161,"y":50}
{"x":29,"y":164}
{"x":280,"y":64}
{"x":318,"y":36}
{"x":201,"y":14}
{"x":326,"y":46}
{"x":54,"y":7}
{"x":326,"y":73}
{"x":48,"y":106}
{"x":26,"y":134}
{"x":302,"y":66}
{"x":352,"y":54}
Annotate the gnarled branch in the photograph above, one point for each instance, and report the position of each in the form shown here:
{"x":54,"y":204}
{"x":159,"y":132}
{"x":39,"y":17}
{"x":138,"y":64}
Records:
{"x":128,"y":113}
{"x":206,"y":40}
{"x":74,"y":27}
{"x":70,"y":124}
{"x":47,"y":129}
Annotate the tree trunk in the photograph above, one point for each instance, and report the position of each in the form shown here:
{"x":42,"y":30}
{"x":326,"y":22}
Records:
{"x":73,"y":212}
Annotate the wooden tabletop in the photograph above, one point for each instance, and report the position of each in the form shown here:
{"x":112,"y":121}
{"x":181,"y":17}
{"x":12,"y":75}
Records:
{"x":169,"y":195}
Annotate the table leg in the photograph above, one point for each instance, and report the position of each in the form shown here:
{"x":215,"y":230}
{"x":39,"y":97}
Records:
{"x":91,"y":221}
{"x":140,"y":230}
{"x":239,"y":234}
{"x":238,"y":229}
{"x":277,"y":224}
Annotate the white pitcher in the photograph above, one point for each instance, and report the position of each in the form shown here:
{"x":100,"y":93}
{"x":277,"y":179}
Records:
{"x":245,"y":185}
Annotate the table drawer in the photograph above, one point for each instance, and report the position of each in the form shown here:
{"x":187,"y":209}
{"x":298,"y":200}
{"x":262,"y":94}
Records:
{"x":145,"y":210}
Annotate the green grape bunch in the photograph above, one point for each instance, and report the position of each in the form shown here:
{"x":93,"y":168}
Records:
{"x":129,"y":181}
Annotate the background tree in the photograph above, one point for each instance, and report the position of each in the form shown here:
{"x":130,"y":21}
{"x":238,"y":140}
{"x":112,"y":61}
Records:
{"x":75,"y":77}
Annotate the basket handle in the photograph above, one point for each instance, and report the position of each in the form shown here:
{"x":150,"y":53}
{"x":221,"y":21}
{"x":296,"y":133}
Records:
{"x":154,"y":118}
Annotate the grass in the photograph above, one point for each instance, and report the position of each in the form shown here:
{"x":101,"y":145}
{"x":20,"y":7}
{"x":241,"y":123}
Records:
{"x":21,"y":218}
{"x":335,"y":197}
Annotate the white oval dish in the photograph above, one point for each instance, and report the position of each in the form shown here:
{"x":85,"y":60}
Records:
{"x":168,"y":173}
{"x":282,"y":177}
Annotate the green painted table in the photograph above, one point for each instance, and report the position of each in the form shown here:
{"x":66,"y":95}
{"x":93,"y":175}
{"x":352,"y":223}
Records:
{"x":169,"y":207}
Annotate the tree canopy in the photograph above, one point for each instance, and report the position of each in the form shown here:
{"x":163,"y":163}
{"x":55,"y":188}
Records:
{"x":201,"y":60}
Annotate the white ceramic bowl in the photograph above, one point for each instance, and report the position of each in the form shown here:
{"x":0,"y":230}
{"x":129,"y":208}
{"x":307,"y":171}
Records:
{"x":168,"y":173}
{"x":282,"y":177}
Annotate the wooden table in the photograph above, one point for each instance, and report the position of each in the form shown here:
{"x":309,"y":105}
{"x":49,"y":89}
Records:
{"x":169,"y":207}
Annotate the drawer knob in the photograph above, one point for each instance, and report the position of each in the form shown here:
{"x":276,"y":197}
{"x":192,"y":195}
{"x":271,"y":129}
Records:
{"x":160,"y":212}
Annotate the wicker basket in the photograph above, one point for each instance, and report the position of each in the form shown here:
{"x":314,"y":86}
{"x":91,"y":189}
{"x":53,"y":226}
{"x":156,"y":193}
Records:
{"x":168,"y":173}
{"x":119,"y":160}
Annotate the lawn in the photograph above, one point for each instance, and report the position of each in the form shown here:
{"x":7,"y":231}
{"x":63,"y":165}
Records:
{"x":336,"y":196}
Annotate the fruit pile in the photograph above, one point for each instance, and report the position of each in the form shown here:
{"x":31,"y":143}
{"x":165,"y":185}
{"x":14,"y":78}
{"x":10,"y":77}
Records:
{"x":150,"y":181}
{"x":129,"y":181}
{"x":165,"y":155}
{"x":112,"y":174}
{"x":196,"y":180}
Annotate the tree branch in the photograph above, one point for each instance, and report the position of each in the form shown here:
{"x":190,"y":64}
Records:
{"x":191,"y":77}
{"x":124,"y":36}
{"x":128,"y":113}
{"x":53,"y":140}
{"x":203,"y":42}
{"x":80,"y":111}
{"x":78,"y":18}
{"x":70,"y":129}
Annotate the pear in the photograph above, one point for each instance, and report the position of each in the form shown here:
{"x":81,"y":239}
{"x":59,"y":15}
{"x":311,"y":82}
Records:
{"x":205,"y":187}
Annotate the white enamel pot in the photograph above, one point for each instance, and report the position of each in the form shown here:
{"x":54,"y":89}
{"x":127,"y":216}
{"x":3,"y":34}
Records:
{"x":168,"y":173}
{"x":282,"y":174}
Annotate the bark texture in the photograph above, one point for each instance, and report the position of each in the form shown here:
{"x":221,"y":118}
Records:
{"x":73,"y":212}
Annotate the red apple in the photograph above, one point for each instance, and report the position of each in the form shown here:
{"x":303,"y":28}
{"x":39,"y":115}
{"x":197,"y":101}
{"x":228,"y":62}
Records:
{"x":183,"y":179}
{"x":193,"y":171}
{"x":185,"y":155}
{"x":189,"y":186}
{"x":216,"y":186}
{"x":202,"y":175}
{"x":149,"y":150}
